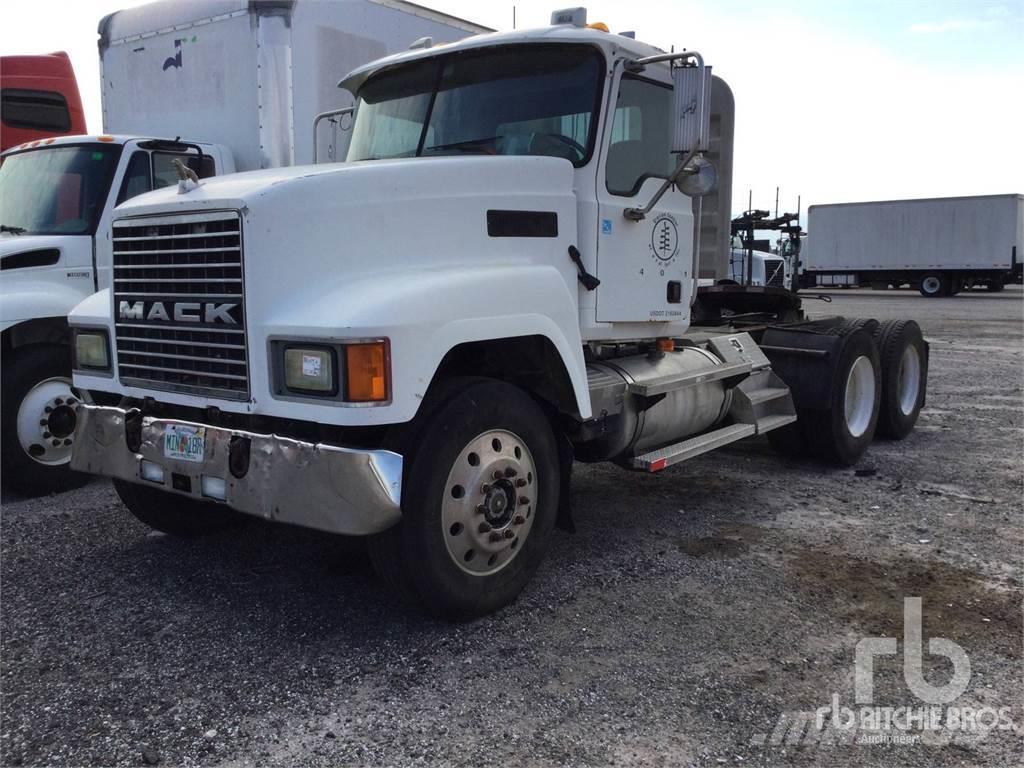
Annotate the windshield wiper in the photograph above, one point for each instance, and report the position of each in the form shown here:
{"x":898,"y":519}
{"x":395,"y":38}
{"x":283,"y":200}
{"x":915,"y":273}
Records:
{"x":466,"y":144}
{"x":12,"y":230}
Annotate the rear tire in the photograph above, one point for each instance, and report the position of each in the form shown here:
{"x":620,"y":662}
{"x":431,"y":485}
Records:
{"x":841,"y":434}
{"x":904,"y":376}
{"x":38,"y":410}
{"x":995,"y":286}
{"x":469,"y":541}
{"x":932,"y":285}
{"x":176,"y":515}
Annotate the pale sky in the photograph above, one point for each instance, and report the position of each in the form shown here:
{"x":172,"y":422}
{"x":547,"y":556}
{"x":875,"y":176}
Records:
{"x":835,"y":101}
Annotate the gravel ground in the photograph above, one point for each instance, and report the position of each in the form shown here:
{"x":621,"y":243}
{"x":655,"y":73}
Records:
{"x":690,"y":611}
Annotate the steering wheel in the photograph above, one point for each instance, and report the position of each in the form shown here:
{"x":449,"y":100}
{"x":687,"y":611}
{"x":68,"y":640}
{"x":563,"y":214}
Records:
{"x":571,"y":143}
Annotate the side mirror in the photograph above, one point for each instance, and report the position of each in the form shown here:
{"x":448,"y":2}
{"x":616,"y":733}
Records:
{"x":698,"y":178}
{"x":691,"y":109}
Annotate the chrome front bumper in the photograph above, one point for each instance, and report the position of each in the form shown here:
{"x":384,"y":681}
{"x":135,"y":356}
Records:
{"x":341,"y":490}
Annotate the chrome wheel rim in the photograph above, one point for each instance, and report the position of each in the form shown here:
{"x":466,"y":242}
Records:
{"x":931,"y":284}
{"x":489,"y":502}
{"x":909,"y":379}
{"x":859,"y":402}
{"x":46,"y":421}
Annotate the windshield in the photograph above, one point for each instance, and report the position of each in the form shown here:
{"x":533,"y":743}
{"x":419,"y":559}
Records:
{"x":57,"y":190}
{"x":514,"y":100}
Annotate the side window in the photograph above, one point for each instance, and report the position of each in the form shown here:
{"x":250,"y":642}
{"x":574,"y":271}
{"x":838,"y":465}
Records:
{"x":35,"y":110}
{"x":136,"y":178}
{"x":641,"y":140}
{"x":165,"y":174}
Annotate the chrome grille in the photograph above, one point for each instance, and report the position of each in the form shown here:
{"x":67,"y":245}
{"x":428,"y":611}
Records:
{"x":177,"y":280}
{"x":775,"y":273}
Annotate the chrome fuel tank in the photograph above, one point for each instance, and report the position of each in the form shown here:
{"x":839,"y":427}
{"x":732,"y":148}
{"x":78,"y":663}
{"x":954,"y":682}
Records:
{"x":633,"y":423}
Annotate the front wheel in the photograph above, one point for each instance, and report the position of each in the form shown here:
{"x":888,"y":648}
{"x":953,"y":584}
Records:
{"x":479,"y":502}
{"x":39,"y":417}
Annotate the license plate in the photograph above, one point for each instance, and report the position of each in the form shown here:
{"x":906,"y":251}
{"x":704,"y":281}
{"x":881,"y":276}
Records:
{"x":184,"y":443}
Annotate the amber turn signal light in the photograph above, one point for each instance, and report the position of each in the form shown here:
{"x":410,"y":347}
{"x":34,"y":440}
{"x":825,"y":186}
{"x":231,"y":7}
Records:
{"x":367,"y":372}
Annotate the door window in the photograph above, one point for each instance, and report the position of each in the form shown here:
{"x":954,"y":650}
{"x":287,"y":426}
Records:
{"x":641,"y":140}
{"x":137,"y":178}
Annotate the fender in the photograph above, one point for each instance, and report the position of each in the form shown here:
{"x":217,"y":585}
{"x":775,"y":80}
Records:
{"x":426,"y":313}
{"x":22,"y":300}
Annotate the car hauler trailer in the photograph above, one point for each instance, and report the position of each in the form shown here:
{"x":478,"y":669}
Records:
{"x":234,"y":78}
{"x":939,"y":246}
{"x":416,"y":344}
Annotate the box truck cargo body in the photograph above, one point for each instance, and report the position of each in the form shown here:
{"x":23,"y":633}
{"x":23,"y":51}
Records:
{"x":252,"y":75}
{"x":939,"y":245}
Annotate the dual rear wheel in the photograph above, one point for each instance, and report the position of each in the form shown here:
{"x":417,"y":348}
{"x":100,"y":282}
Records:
{"x":877,"y":386}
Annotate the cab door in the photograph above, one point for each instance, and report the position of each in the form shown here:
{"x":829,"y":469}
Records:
{"x":644,"y":266}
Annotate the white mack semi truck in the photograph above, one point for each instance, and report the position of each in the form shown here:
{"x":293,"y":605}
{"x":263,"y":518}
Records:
{"x":415,"y":345}
{"x":236,"y":74}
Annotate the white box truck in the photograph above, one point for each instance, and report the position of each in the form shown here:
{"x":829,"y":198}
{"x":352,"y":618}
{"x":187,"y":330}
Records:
{"x":939,"y":246}
{"x":240,"y":83}
{"x":416,"y":344}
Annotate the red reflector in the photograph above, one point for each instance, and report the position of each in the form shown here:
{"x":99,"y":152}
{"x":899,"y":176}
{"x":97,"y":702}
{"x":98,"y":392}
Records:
{"x":657,"y":466}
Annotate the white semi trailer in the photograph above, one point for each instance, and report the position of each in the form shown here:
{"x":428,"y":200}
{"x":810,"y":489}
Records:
{"x":939,"y":246}
{"x":234,"y":78}
{"x":416,"y":344}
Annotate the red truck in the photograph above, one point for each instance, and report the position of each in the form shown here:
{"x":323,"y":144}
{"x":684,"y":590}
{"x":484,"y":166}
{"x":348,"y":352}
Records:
{"x":38,"y":99}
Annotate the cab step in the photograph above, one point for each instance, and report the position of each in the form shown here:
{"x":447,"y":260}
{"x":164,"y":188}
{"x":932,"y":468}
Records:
{"x":655,"y":461}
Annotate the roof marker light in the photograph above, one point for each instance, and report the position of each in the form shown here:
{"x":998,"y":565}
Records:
{"x":576,"y":17}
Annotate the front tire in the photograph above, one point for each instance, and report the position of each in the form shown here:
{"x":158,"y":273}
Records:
{"x":479,"y":502}
{"x":176,"y":515}
{"x":38,"y":417}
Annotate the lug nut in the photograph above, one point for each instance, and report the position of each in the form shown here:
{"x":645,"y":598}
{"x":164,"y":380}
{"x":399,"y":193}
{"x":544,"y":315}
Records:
{"x":480,"y":509}
{"x":72,"y":401}
{"x":495,"y":536}
{"x":43,"y":422}
{"x":523,"y":500}
{"x":58,"y":401}
{"x":519,"y":520}
{"x":510,"y":472}
{"x":521,"y":483}
{"x":46,"y":435}
{"x":67,"y":442}
{"x":484,"y":528}
{"x":509,"y":534}
{"x":498,"y":474}
{"x":485,"y":488}
{"x":47,"y":409}
{"x":56,"y":443}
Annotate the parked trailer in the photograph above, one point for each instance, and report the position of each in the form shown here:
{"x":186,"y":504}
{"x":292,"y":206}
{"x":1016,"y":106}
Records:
{"x":225,"y":78}
{"x":939,"y":246}
{"x":38,"y":99}
{"x":253,"y":75}
{"x":417,"y":343}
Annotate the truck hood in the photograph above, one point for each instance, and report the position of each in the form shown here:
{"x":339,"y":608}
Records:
{"x":237,"y":189}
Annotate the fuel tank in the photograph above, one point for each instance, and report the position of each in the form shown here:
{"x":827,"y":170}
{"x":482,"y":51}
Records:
{"x":632,"y":423}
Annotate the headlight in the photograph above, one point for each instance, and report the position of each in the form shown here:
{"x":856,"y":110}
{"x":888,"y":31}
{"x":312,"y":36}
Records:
{"x":309,"y":369}
{"x":92,"y":350}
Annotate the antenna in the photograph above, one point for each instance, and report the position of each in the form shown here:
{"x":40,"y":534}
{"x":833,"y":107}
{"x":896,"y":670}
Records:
{"x":513,"y":16}
{"x":776,"y":202}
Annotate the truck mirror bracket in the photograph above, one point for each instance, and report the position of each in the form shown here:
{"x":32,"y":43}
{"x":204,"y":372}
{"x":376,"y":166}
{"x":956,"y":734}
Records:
{"x":639,"y":214}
